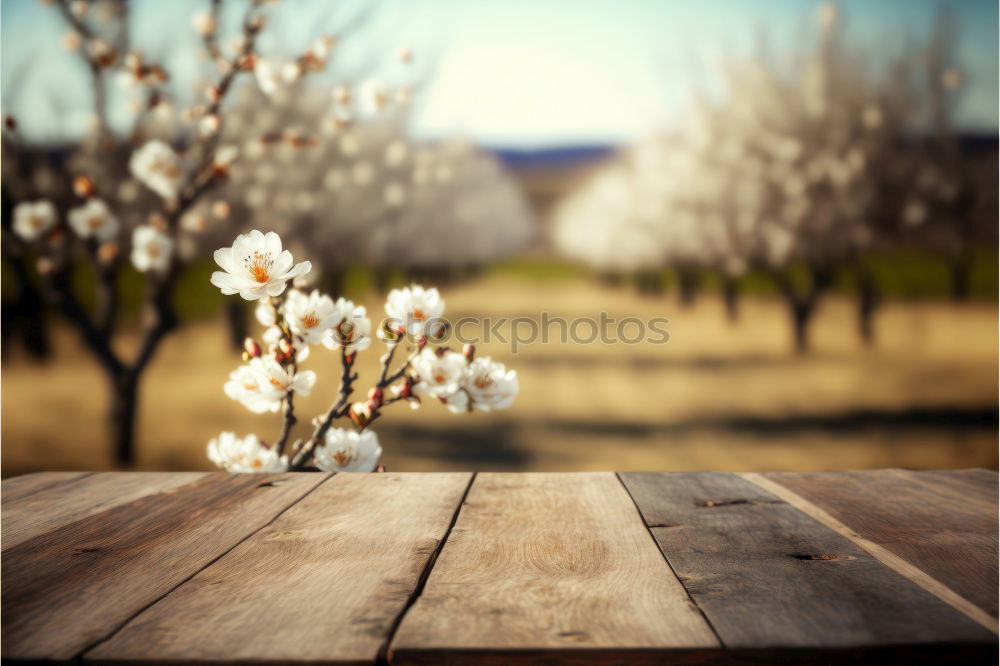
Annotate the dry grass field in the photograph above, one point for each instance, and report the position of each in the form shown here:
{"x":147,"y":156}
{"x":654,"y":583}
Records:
{"x":715,"y":397}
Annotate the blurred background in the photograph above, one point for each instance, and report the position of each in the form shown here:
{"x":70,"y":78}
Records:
{"x":807,"y":191}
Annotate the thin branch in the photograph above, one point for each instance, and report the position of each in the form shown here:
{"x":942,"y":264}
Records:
{"x":337,"y":409}
{"x":61,"y":294}
{"x":96,"y":72}
{"x":287,"y":424}
{"x":384,"y":381}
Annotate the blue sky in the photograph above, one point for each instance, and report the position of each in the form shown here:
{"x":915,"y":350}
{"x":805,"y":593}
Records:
{"x":517,"y":73}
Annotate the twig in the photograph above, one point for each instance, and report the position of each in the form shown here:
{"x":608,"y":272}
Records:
{"x":337,"y":409}
{"x":288,"y":423}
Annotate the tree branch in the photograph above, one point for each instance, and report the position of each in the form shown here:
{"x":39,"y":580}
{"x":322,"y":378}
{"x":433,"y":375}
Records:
{"x":337,"y":409}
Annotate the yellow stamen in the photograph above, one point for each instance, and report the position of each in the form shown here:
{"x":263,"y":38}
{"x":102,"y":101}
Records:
{"x":259,"y":266}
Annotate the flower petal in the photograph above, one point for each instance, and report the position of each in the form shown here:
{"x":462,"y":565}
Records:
{"x":303,"y":382}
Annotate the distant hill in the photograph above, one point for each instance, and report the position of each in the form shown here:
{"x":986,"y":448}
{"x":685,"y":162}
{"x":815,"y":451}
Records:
{"x":549,"y":174}
{"x":560,"y":157}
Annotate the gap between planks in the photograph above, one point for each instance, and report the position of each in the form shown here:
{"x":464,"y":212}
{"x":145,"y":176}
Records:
{"x":886,"y":557}
{"x":649,"y":531}
{"x":79,"y":657}
{"x":382,"y":658}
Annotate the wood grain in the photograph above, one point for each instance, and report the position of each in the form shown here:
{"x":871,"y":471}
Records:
{"x":60,"y":504}
{"x":768,"y":577}
{"x":67,"y":589}
{"x":18,"y":487}
{"x":944,"y":523}
{"x":324,"y":583}
{"x":553,"y":568}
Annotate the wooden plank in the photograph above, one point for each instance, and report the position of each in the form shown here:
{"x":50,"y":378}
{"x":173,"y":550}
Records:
{"x":68,"y":588}
{"x":550,"y":568}
{"x":886,"y":557}
{"x":944,"y":523}
{"x":19,"y":487}
{"x":64,"y":503}
{"x":334,"y":572}
{"x":770,"y":578}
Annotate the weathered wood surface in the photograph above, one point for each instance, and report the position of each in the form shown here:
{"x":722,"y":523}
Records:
{"x":549,"y":568}
{"x":19,"y":487}
{"x":799,"y":584}
{"x":67,"y":589}
{"x":944,"y":523}
{"x":328,"y":578}
{"x":66,"y":503}
{"x":559,"y":563}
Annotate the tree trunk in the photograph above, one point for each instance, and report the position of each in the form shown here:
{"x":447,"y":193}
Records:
{"x":687,"y":282}
{"x":28,"y":318}
{"x":122,"y":417}
{"x":801,"y":315}
{"x":961,"y":278}
{"x":611,"y":279}
{"x":239,"y":325}
{"x":333,"y":280}
{"x":649,"y":282}
{"x":381,"y":278}
{"x":868,"y":300}
{"x":802,"y":304}
{"x":731,"y":296}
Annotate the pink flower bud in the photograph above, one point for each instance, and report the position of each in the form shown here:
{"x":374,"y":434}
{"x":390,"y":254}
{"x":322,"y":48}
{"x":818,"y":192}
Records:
{"x":376,"y":396}
{"x":83,"y":187}
{"x":469,"y":351}
{"x":107,"y":252}
{"x":251,"y":348}
{"x":45,"y":266}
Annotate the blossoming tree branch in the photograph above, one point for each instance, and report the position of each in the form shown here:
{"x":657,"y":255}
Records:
{"x":258,"y":269}
{"x":140,"y":205}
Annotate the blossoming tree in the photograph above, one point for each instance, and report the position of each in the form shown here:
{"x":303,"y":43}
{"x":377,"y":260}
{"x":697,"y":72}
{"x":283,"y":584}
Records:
{"x":796,"y":172}
{"x":257,"y":268}
{"x":130,"y":192}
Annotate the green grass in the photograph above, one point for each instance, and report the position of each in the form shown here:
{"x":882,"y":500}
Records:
{"x":906,"y":274}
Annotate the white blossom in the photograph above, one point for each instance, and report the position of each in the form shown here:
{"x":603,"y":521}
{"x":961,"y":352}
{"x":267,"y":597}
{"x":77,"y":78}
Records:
{"x":374,"y":96}
{"x":247,"y":454}
{"x":353,"y":332}
{"x":263,"y":383}
{"x":34,"y":218}
{"x":348,"y":451}
{"x":490,"y":385}
{"x":158,"y":167}
{"x":256,"y":266}
{"x":414,"y":307}
{"x":203,"y":23}
{"x":151,"y":249}
{"x":225,"y":156}
{"x":441,"y":374}
{"x":457,"y":402}
{"x":272,"y":78}
{"x":265,"y":312}
{"x":309,"y":317}
{"x":93,"y":220}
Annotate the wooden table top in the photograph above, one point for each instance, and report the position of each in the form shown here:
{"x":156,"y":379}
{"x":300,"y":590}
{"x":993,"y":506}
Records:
{"x":891,"y":566}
